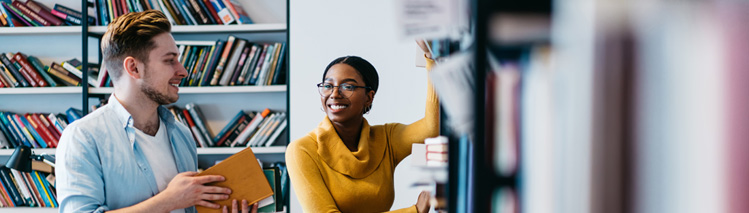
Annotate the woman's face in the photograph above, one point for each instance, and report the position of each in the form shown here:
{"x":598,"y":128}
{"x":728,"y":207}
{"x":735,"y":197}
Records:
{"x":345,"y":106}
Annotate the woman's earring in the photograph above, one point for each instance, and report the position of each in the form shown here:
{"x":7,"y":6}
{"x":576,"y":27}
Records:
{"x":321,"y":109}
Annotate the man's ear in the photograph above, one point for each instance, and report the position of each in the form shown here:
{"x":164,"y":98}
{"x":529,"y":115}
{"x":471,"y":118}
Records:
{"x":131,"y":66}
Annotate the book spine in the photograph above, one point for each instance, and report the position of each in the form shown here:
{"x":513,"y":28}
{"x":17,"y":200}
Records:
{"x":37,"y":65}
{"x":206,"y":11}
{"x":18,"y":130}
{"x":205,"y":80}
{"x":43,"y":12}
{"x":35,"y":139}
{"x":194,"y":129}
{"x":221,"y":136}
{"x":10,"y":130}
{"x":212,"y":10}
{"x":222,"y":12}
{"x":231,"y":10}
{"x":23,"y":18}
{"x":176,"y":11}
{"x":6,"y":194}
{"x":43,"y":130}
{"x":222,"y":61}
{"x":246,"y":65}
{"x":232,"y":62}
{"x":28,"y":13}
{"x":38,"y":189}
{"x":30,"y":70}
{"x":71,"y":12}
{"x":26,"y":76}
{"x":9,"y":76}
{"x":32,"y":188}
{"x":23,"y":187}
{"x":197,"y":117}
{"x":49,"y":127}
{"x":11,"y":186}
{"x":63,"y":76}
{"x":45,"y":191}
{"x":66,"y":17}
{"x":7,"y":16}
{"x":277,"y":132}
{"x":201,"y":15}
{"x":259,"y":65}
{"x":7,"y":134}
{"x":48,"y":186}
{"x":240,"y":64}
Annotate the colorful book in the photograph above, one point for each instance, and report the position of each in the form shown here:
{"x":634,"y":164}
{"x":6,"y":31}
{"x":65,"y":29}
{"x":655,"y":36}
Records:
{"x":238,"y":120}
{"x":238,"y":11}
{"x":33,"y":74}
{"x":197,"y":117}
{"x":11,"y":186}
{"x":31,"y":14}
{"x":17,"y":13}
{"x":223,"y":13}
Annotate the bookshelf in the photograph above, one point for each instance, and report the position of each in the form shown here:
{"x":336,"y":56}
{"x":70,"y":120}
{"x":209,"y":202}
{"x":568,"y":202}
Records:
{"x":218,"y":103}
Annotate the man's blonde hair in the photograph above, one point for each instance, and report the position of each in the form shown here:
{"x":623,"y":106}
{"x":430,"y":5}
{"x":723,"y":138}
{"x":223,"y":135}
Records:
{"x":131,"y":35}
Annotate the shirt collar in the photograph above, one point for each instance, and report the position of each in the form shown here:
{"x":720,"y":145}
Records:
{"x":126,"y":119}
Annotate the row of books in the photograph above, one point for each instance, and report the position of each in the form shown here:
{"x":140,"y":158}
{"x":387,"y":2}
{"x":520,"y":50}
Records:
{"x":179,"y":12}
{"x":31,"y":13}
{"x":33,"y":188}
{"x":253,"y":129}
{"x":278,"y":179}
{"x":235,"y":61}
{"x":19,"y":70}
{"x":36,"y":130}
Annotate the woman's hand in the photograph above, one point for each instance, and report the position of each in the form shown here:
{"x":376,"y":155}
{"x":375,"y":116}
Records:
{"x":422,"y":204}
{"x":244,"y":207}
{"x":423,"y":45}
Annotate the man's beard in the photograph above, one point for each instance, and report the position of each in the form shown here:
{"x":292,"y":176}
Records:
{"x":160,"y":98}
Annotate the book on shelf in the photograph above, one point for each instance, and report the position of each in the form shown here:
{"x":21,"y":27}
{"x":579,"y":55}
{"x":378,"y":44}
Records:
{"x":228,"y":133}
{"x":273,"y":177}
{"x":246,"y":180}
{"x":250,"y":129}
{"x":199,"y":119}
{"x":70,"y":15}
{"x":43,"y":12}
{"x":73,"y":114}
{"x":13,"y":70}
{"x":238,"y":11}
{"x":16,"y":14}
{"x":30,"y":189}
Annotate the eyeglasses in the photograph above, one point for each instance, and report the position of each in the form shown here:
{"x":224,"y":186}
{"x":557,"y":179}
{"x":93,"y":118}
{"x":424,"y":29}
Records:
{"x":344,"y":89}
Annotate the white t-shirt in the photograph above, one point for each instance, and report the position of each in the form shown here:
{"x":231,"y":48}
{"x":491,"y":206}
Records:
{"x":158,"y":152}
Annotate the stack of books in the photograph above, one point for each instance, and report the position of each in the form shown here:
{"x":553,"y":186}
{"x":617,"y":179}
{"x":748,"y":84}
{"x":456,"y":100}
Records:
{"x":35,"y":188}
{"x":179,"y":12}
{"x":19,"y":70}
{"x":31,"y":13}
{"x":436,"y":151}
{"x":36,"y":130}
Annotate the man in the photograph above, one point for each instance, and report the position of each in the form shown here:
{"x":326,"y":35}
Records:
{"x":131,"y":155}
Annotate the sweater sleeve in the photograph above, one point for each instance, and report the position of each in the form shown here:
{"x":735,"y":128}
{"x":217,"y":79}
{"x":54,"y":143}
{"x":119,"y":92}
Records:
{"x":405,"y":135}
{"x":307,"y":180}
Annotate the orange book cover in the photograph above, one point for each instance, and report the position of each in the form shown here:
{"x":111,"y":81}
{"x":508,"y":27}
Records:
{"x":243,"y":176}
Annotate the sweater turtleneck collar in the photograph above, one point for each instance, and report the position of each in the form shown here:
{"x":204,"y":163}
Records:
{"x":358,"y":164}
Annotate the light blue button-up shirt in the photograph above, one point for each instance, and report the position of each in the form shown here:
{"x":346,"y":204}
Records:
{"x":101,"y":167}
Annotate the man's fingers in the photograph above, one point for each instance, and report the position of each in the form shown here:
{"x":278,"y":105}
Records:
{"x":209,"y":179}
{"x":226,"y":210}
{"x":254,"y":208}
{"x":234,"y":206}
{"x":188,"y":173}
{"x":208,"y":204}
{"x":214,"y":197}
{"x":245,"y":207}
{"x":216,"y":190}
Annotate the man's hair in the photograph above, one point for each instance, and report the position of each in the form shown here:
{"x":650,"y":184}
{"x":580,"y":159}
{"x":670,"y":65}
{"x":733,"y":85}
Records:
{"x":132,"y":35}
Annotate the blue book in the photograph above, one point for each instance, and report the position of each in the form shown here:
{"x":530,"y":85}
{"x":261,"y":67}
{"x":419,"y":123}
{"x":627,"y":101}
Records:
{"x":36,"y":137}
{"x":40,"y":189}
{"x":7,"y":132}
{"x":17,"y":129}
{"x":205,"y":80}
{"x":48,"y":187}
{"x":7,"y":16}
{"x":11,"y":187}
{"x":73,"y":114}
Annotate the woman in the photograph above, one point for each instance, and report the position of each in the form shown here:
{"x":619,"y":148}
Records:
{"x":345,"y":164}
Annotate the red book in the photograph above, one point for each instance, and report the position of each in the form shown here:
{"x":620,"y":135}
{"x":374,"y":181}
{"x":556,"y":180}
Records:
{"x":31,"y":14}
{"x":193,"y":129}
{"x":43,"y":132}
{"x":49,"y":126}
{"x":212,"y":11}
{"x":44,"y":12}
{"x":8,"y":202}
{"x":23,"y":72}
{"x":30,"y":70}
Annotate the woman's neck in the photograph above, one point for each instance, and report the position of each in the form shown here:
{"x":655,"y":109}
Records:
{"x":349,"y":133}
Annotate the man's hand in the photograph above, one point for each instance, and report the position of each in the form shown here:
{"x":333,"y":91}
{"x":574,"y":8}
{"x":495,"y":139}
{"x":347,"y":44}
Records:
{"x":244,"y":208}
{"x":422,"y":204}
{"x":187,"y":190}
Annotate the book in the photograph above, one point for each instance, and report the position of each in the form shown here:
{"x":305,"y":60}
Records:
{"x":63,"y":75}
{"x":44,"y":12}
{"x":10,"y":130}
{"x":247,"y":64}
{"x":277,"y":132}
{"x":10,"y":121}
{"x":231,"y":64}
{"x":7,"y":200}
{"x":223,"y":60}
{"x":198,"y":118}
{"x":235,"y":122}
{"x":45,"y":135}
{"x":207,"y":75}
{"x":223,"y":13}
{"x":72,"y":68}
{"x":13,"y":70}
{"x":12,"y":82}
{"x":243,"y":176}
{"x":240,"y":64}
{"x":10,"y":185}
{"x":35,"y":138}
{"x":20,"y":16}
{"x":5,"y":16}
{"x":71,"y":15}
{"x":212,"y":11}
{"x":39,"y":21}
{"x":194,"y":129}
{"x":37,"y":65}
{"x":251,"y":127}
{"x":269,"y":204}
{"x":238,"y":11}
{"x":199,"y":14}
{"x":36,"y":78}
{"x":73,"y":114}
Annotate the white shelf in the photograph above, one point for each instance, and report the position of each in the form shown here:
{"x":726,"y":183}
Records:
{"x":201,"y":151}
{"x":212,"y":28}
{"x":40,"y":30}
{"x":232,"y":150}
{"x":209,"y":90}
{"x":41,"y":90}
{"x":8,"y":152}
{"x":29,"y":209}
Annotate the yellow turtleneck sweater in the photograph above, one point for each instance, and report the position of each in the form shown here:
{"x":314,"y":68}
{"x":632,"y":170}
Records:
{"x":327,"y":177}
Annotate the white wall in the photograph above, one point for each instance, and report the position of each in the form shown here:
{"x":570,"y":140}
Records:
{"x":321,"y":31}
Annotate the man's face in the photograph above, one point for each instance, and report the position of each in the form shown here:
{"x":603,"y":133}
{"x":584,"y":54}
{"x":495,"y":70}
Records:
{"x":163,"y":72}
